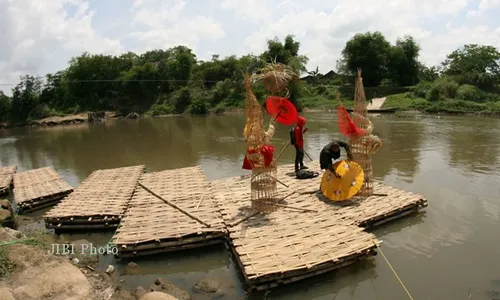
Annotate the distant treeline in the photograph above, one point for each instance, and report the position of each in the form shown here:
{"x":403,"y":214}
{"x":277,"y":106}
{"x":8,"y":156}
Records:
{"x":175,"y":81}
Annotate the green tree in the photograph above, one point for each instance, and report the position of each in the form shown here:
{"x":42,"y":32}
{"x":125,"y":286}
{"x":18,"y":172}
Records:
{"x":139,"y":88}
{"x":315,"y":75}
{"x":4,"y":107}
{"x":402,"y":62}
{"x":428,"y":74}
{"x":368,"y":51}
{"x":92,"y":79}
{"x":55,"y":92}
{"x":25,"y":103}
{"x":287,"y":53}
{"x":474,"y":64}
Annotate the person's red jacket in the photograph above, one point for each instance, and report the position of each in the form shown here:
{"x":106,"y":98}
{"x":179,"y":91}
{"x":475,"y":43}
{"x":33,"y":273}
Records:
{"x":299,"y":132}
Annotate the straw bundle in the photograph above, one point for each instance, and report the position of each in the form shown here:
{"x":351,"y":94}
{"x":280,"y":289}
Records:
{"x":276,"y":76}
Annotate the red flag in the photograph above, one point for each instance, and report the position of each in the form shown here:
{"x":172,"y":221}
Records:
{"x":346,"y":125}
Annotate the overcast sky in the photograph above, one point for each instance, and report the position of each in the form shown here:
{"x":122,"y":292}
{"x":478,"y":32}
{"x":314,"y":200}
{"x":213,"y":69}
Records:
{"x":40,"y":36}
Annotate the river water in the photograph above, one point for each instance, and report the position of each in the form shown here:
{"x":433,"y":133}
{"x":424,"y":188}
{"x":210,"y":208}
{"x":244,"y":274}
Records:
{"x":451,"y":251}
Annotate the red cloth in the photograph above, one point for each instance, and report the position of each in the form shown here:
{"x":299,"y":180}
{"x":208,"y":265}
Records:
{"x":346,"y":125}
{"x":268,"y":153}
{"x":299,"y":132}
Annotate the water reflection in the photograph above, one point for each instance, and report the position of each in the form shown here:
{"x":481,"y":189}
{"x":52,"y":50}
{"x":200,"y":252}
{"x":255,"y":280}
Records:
{"x":442,"y":254}
{"x":401,"y":149}
{"x":352,"y":282}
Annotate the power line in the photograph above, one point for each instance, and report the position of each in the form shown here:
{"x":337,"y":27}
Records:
{"x":125,"y":80}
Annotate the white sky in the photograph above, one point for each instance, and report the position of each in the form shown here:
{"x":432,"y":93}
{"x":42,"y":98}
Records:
{"x":40,"y":36}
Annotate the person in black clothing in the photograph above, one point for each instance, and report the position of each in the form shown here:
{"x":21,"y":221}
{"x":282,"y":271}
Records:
{"x":330,"y":153}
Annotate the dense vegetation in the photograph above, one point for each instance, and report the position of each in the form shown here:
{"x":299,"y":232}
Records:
{"x":175,"y":81}
{"x":467,"y":82}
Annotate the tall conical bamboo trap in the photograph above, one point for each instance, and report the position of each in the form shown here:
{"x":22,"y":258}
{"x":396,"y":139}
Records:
{"x":363,"y":147}
{"x":263,"y":184}
{"x":263,"y":180}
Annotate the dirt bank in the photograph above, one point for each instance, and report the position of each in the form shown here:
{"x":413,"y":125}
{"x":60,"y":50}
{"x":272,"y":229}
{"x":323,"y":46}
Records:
{"x":28,"y":271}
{"x":57,"y":120}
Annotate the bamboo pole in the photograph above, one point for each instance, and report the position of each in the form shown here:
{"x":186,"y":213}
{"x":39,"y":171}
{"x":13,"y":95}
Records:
{"x":244,"y":219}
{"x":315,"y":191}
{"x":287,"y":196}
{"x":285,"y":206}
{"x":307,"y":155}
{"x":282,"y":151}
{"x":277,"y":180}
{"x":174,"y":206}
{"x":199,"y":202}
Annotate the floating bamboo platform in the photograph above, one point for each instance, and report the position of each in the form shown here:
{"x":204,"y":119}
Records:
{"x":99,"y":202}
{"x":308,"y":235}
{"x":6,"y":177}
{"x":39,"y":188}
{"x":150,"y":225}
{"x":386,"y":204}
{"x":287,"y":245}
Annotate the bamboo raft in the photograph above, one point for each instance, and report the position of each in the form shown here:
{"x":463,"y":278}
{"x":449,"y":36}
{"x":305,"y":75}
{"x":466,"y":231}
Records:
{"x":309,"y":234}
{"x":39,"y":188}
{"x":173,"y":210}
{"x":151,"y":225}
{"x":6,"y":177}
{"x":287,"y":245}
{"x":98,"y":203}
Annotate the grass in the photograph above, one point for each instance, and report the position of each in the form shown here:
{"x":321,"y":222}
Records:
{"x":6,"y":265}
{"x":322,"y":102}
{"x":32,"y":239}
{"x":405,"y":102}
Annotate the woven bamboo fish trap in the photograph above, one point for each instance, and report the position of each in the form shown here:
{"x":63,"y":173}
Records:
{"x":362,"y":147}
{"x":263,"y":182}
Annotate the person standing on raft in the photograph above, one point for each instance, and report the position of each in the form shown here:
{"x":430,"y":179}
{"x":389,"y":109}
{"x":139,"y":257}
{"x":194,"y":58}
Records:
{"x":330,"y":153}
{"x":298,"y":142}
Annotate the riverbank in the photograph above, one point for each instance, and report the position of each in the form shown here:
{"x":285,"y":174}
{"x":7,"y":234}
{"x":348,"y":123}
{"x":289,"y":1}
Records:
{"x":402,"y":102}
{"x":30,"y":269}
{"x":405,"y":102}
{"x":60,"y":120}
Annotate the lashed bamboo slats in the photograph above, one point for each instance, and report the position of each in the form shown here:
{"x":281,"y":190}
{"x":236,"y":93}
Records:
{"x":151,"y":225}
{"x":6,"y":177}
{"x":287,"y":245}
{"x":39,"y":188}
{"x":99,"y":202}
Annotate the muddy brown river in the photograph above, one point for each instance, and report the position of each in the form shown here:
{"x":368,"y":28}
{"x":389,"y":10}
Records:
{"x":450,"y":251}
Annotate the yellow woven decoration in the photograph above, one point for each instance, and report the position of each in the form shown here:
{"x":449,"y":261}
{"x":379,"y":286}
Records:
{"x":351,"y":181}
{"x":276,"y":78}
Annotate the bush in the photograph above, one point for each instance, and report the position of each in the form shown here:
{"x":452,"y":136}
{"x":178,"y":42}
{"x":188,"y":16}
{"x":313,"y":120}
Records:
{"x":443,"y":88}
{"x":198,"y":107}
{"x":447,"y":88}
{"x":419,"y":104}
{"x":433,"y":94}
{"x":421,"y":89}
{"x":180,"y":100}
{"x":161,"y":109}
{"x":470,"y":92}
{"x":456,"y":106}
